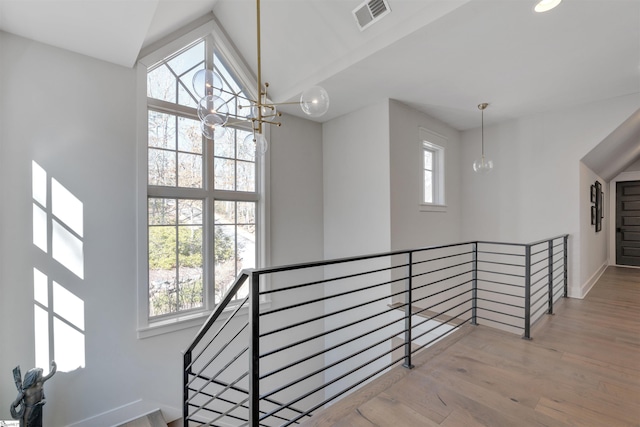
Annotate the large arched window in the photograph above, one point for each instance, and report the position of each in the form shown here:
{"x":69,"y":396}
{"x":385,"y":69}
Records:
{"x":203,"y":196}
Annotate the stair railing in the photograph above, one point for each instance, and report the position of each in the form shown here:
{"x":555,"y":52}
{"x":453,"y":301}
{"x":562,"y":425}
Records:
{"x":307,"y":334}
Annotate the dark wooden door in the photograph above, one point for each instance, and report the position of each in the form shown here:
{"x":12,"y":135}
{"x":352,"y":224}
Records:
{"x":628,"y":223}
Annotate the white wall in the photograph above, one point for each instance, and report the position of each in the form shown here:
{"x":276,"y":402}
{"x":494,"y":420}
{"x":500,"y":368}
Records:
{"x":594,"y":256}
{"x":357,"y":182}
{"x":410,"y":226}
{"x":534,"y":191}
{"x":76,"y":118}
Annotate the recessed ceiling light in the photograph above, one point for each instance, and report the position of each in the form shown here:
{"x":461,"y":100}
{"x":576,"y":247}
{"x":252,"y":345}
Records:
{"x":545,"y":5}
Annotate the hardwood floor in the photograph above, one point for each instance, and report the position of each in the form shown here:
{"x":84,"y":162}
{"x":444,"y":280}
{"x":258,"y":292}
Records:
{"x":582,"y":368}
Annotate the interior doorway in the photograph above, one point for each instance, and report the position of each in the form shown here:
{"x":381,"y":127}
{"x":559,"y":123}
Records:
{"x":628,"y":223}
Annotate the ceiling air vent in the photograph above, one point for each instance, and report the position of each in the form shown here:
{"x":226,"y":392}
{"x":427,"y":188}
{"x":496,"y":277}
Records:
{"x":370,"y":11}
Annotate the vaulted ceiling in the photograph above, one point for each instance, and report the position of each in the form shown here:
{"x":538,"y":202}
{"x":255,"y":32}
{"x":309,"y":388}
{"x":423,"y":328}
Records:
{"x":441,"y":57}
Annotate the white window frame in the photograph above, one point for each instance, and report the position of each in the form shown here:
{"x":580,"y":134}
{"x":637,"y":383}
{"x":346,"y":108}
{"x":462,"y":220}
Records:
{"x":205,"y":27}
{"x":434,"y":143}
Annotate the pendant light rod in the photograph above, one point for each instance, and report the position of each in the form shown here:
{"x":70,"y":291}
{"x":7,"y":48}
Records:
{"x":259,"y":106}
{"x":482,"y":107}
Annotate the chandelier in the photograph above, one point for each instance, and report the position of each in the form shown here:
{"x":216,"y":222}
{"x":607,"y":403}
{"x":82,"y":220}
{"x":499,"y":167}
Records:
{"x":483,"y":165}
{"x":213,"y":110}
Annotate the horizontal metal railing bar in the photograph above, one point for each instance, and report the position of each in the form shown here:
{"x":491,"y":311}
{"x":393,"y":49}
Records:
{"x":559,"y":276}
{"x":501,"y":273}
{"x":499,"y":303}
{"x":499,"y":253}
{"x":546,"y":267}
{"x":539,"y":261}
{"x":559,"y":291}
{"x":501,"y":312}
{"x":501,"y":293}
{"x":539,"y":280}
{"x":333,"y":313}
{"x":561,"y":244}
{"x":541,"y":308}
{"x":234,"y":417}
{"x":441,"y":258}
{"x":502,"y":323}
{"x":236,"y":381}
{"x":559,"y":255}
{"x":500,"y":283}
{"x":442,"y":313}
{"x":211,"y":360}
{"x":539,"y":252}
{"x":440,"y":292}
{"x":442,"y":269}
{"x":437,"y":338}
{"x":336,"y":363}
{"x":558,"y":260}
{"x":240,"y":390}
{"x":485,"y":242}
{"x":332,"y":279}
{"x":318,"y":353}
{"x":338,"y":295}
{"x":306,"y":265}
{"x":561,"y":236}
{"x":558,"y":268}
{"x":424,"y":285}
{"x":440,"y":323}
{"x":500,"y":263}
{"x":242,"y":277}
{"x":540,"y":299}
{"x":226,"y":414}
{"x":231,"y":362}
{"x":338,"y":378}
{"x":541,"y":288}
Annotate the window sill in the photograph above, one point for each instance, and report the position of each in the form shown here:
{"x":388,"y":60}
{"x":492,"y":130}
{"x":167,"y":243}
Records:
{"x":429,"y":207}
{"x":194,"y":320}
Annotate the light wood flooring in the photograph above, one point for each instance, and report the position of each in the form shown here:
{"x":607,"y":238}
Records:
{"x":582,"y":368}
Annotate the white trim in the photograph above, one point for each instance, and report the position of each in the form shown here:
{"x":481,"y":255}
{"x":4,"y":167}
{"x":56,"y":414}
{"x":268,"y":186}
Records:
{"x":432,"y":207}
{"x":586,"y":287}
{"x":436,"y":143}
{"x":129,"y":412}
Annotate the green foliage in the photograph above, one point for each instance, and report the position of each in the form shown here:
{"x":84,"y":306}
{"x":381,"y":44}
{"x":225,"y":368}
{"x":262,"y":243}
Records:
{"x":223,"y":247}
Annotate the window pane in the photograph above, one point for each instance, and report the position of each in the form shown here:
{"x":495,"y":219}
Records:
{"x":224,"y":147}
{"x":224,"y":258}
{"x":246,"y":149}
{"x":246,"y":176}
{"x":224,"y":174}
{"x":246,"y":213}
{"x":225,"y":212}
{"x":162,"y":211}
{"x":162,"y":130}
{"x":162,"y":167}
{"x":162,"y":270}
{"x":161,"y":84}
{"x":189,"y":135}
{"x":190,"y":271}
{"x":189,"y":170}
{"x":428,"y":187}
{"x":428,"y":160}
{"x":190,"y":212}
{"x":187,"y":59}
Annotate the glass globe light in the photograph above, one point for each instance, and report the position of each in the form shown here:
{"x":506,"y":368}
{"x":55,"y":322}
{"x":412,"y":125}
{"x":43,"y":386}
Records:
{"x":483,"y":165}
{"x":314,"y":101}
{"x":206,"y":82}
{"x":259,"y":141}
{"x":212,"y":104}
{"x":212,"y":126}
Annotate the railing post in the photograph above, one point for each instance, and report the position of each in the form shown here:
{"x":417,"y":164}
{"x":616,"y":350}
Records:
{"x":550,"y":277}
{"x":407,"y":315}
{"x":474,"y":286}
{"x":254,"y":350}
{"x":185,"y":390}
{"x":566,"y":258}
{"x":527,"y":293}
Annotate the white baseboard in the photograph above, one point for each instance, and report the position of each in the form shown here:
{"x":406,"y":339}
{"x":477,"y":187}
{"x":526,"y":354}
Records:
{"x":128,"y":412}
{"x":586,"y":287}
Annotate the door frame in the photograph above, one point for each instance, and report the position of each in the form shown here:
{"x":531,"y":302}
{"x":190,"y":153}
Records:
{"x":624,"y":176}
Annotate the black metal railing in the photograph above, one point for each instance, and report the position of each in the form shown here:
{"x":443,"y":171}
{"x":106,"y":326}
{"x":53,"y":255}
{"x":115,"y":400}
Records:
{"x":305,"y":335}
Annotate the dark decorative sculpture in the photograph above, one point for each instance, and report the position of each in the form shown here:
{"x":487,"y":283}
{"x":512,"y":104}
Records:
{"x":28,"y":405}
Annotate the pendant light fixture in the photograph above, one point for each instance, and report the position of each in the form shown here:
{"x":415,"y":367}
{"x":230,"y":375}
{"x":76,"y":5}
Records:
{"x":483,"y":165}
{"x":214,"y":112}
